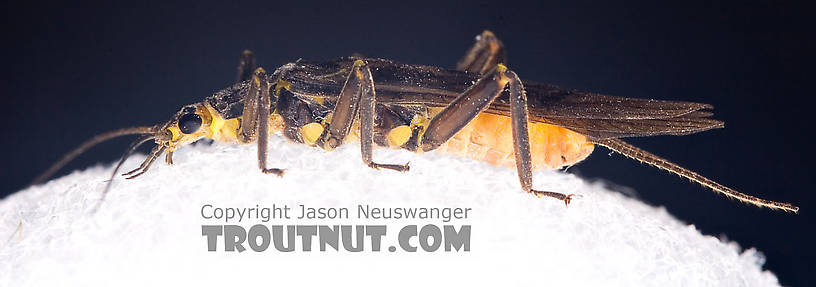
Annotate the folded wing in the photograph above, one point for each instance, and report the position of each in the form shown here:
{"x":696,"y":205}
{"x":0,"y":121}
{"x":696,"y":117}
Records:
{"x":601,"y":117}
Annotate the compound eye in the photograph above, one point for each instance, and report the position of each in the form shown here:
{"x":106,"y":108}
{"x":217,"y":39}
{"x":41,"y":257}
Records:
{"x":189,"y":123}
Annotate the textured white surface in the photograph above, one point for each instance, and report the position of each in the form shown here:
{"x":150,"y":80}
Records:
{"x":149,"y":229}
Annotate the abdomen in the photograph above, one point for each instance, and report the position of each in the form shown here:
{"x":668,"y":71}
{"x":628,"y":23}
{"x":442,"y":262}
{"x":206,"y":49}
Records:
{"x":489,"y":138}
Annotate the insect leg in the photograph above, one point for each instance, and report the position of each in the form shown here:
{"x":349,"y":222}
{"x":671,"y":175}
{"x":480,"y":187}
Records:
{"x":476,"y":99}
{"x":246,"y":66}
{"x":249,"y":117}
{"x":367,"y":112}
{"x":463,"y":109}
{"x":255,"y":119}
{"x":357,"y":95}
{"x":484,"y":55}
{"x":264,"y":103}
{"x":345,"y":111}
{"x":521,"y":138}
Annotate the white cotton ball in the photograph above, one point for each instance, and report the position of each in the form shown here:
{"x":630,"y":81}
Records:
{"x":148,"y":231}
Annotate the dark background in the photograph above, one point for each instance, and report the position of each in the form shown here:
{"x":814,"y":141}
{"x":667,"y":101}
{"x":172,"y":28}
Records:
{"x":74,"y":70}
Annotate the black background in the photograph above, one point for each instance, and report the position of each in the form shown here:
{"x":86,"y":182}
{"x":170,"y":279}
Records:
{"x":74,"y":70}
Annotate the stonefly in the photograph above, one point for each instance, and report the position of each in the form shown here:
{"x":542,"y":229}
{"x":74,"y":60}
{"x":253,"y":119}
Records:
{"x":481,"y":110}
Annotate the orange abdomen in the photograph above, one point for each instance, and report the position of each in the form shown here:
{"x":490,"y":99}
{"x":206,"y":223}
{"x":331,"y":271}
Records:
{"x":489,"y":138}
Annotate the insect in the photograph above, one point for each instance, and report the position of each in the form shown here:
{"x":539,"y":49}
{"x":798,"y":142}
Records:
{"x":481,"y":110}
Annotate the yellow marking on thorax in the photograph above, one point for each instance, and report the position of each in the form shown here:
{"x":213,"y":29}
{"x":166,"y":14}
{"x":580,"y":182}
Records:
{"x":282,"y":84}
{"x":226,"y":130}
{"x":311,"y":132}
{"x":489,"y":138}
{"x":395,"y":138}
{"x":399,"y":136}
